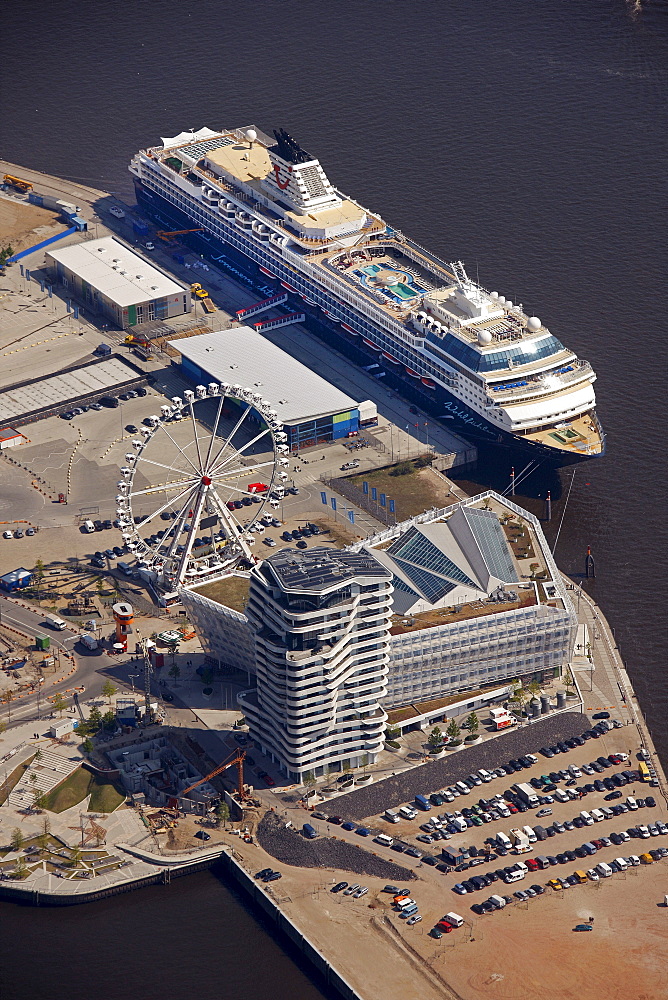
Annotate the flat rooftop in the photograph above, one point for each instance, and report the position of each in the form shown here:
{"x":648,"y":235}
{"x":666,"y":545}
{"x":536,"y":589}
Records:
{"x":56,"y":390}
{"x":115,"y":270}
{"x":244,"y":357}
{"x":320,"y":569}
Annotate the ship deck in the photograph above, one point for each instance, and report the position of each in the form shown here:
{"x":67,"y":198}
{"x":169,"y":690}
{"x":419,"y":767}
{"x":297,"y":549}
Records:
{"x":581,"y":436}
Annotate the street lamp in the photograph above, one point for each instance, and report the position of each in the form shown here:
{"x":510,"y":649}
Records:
{"x":132,"y":678}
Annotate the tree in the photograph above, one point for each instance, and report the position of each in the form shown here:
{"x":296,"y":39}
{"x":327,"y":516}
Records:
{"x":392,"y":733}
{"x":568,"y":681}
{"x":43,"y":838}
{"x":75,"y":857}
{"x":364,"y":762}
{"x":3,"y":726}
{"x":173,"y":650}
{"x":109,"y":690}
{"x":453,"y":729}
{"x":87,"y":746}
{"x":207,"y":676}
{"x":100,"y":586}
{"x":223,"y":812}
{"x":435,"y":737}
{"x":39,"y":799}
{"x":21,"y":869}
{"x":175,"y":671}
{"x":39,"y":576}
{"x":95,"y":716}
{"x":16,"y":843}
{"x":309,"y":778}
{"x":109,"y":720}
{"x":534,"y":688}
{"x":8,"y":698}
{"x":519,"y":695}
{"x":5,"y":254}
{"x":472,"y":723}
{"x":59,"y":704}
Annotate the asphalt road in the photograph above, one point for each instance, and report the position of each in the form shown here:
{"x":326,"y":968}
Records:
{"x":88,"y":667}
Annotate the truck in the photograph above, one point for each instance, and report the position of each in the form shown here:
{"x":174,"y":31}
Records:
{"x":501,"y":719}
{"x":309,"y":831}
{"x":102,"y":350}
{"x":527,"y":794}
{"x":541,"y":832}
{"x":392,"y":816}
{"x":55,"y":622}
{"x":520,"y":841}
{"x":423,"y":803}
{"x":89,"y":641}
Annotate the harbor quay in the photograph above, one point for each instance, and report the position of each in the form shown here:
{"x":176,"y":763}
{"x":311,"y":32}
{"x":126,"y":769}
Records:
{"x":84,"y":817}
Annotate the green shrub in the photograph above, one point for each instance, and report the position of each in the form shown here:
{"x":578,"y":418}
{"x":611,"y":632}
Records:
{"x":392,"y":744}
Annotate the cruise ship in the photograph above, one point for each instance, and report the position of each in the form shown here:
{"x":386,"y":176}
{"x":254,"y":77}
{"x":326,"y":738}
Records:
{"x":499,"y":373}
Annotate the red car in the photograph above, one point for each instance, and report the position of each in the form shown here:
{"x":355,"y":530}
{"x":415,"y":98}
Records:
{"x":512,"y":807}
{"x":444,"y":926}
{"x":268,"y":780}
{"x":532,"y":865}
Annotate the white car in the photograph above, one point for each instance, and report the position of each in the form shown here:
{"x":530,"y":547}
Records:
{"x":118,"y":213}
{"x":7,"y":534}
{"x":593,"y":875}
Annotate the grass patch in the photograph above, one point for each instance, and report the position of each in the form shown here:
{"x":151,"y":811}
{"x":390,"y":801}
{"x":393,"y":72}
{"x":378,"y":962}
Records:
{"x":72,"y":791}
{"x":13,"y":779}
{"x":232,"y":592}
{"x":412,"y":494}
{"x":105,"y":796}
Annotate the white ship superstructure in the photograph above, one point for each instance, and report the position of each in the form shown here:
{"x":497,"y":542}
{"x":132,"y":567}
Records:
{"x":494,"y":368}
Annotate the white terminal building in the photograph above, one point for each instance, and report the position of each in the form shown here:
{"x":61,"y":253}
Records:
{"x":459,"y":600}
{"x":111,"y":278}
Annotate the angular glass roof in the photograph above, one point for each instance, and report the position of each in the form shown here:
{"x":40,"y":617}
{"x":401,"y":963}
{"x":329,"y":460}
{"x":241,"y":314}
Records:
{"x":492,"y":543}
{"x":417,"y":549}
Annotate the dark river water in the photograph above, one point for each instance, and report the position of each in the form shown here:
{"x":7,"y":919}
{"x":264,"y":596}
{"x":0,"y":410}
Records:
{"x":526,"y":137}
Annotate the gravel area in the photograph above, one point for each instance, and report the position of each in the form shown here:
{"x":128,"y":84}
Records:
{"x":426,"y":778}
{"x":290,"y":847}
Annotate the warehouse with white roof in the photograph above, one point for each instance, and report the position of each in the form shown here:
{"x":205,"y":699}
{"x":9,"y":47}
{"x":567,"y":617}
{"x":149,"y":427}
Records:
{"x":109,"y":277}
{"x":312,"y":410}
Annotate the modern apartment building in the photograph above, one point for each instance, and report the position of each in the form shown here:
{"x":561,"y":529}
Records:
{"x":450,"y":602}
{"x":320,"y":621}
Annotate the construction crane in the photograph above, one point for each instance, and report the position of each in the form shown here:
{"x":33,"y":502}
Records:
{"x":237,"y":757}
{"x":162,"y":235}
{"x":75,"y":699}
{"x":17,"y":182}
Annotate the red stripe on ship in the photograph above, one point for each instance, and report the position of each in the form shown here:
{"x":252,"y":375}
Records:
{"x":265,"y":271}
{"x":369,"y":344}
{"x":350,"y":329}
{"x":390,"y":358}
{"x":412,"y":373}
{"x":428,"y":382}
{"x":288,"y":287}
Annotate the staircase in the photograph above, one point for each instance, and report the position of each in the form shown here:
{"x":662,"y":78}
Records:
{"x":50,"y":768}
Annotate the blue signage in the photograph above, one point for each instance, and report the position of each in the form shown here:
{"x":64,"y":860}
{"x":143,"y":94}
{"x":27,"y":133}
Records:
{"x":382,"y":499}
{"x":333,"y":503}
{"x":323,"y":497}
{"x":374,"y":493}
{"x":351,"y":516}
{"x":365,"y":488}
{"x":391,"y":505}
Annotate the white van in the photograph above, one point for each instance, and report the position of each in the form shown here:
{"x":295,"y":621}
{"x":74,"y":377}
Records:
{"x":454,"y":919}
{"x":88,"y":527}
{"x":597,"y":815}
{"x":464,"y":789}
{"x":586,"y":818}
{"x":605,"y":871}
{"x":384,"y":840}
{"x":574,"y":771}
{"x":485,"y":775}
{"x":623,"y":863}
{"x":561,"y":795}
{"x":407,"y":812}
{"x":530,"y":834}
{"x":503,"y":840}
{"x":55,"y":622}
{"x":460,"y":823}
{"x":403,"y":903}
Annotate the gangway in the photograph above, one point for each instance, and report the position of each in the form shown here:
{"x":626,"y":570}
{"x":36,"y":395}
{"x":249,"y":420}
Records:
{"x":167,"y":236}
{"x":273,"y":324}
{"x":259,"y":307}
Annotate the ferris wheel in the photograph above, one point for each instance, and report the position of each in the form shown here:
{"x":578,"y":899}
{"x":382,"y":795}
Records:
{"x":211,"y":462}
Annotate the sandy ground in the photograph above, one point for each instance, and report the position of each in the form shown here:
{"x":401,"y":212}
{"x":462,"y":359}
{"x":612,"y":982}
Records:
{"x":22,"y":225}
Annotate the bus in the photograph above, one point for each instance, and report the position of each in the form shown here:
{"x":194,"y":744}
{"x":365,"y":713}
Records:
{"x":644,"y":771}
